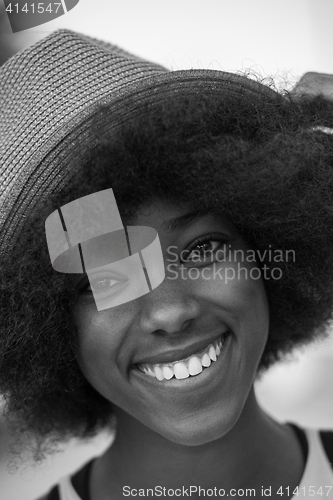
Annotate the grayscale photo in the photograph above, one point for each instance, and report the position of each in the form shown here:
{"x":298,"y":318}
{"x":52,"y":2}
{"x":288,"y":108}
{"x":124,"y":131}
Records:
{"x":166,"y":249}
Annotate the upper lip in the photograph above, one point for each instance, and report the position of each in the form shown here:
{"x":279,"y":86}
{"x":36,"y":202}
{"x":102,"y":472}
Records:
{"x":182,"y":353}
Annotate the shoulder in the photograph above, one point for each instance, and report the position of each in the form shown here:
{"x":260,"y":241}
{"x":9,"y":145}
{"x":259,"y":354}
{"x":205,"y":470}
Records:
{"x":326,"y":437}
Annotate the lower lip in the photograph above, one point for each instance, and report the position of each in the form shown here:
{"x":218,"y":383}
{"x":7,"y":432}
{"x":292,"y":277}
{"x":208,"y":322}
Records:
{"x":213,"y":372}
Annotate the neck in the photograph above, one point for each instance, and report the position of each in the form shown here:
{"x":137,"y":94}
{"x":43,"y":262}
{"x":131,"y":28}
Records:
{"x":255,"y":446}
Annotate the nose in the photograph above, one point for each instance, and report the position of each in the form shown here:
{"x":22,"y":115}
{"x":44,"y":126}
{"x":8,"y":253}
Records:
{"x":169,"y":308}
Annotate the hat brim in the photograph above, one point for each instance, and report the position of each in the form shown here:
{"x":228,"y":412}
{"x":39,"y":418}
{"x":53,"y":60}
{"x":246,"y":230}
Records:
{"x":49,"y":167}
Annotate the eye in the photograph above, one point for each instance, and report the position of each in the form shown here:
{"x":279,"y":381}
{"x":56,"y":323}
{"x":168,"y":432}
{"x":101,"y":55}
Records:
{"x":102,"y":284}
{"x":205,"y":248}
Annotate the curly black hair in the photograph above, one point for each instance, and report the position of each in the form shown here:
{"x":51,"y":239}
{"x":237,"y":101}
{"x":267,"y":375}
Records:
{"x":258,"y":161}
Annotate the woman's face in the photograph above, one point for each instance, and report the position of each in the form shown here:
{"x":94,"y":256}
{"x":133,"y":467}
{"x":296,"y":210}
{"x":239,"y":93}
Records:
{"x":210,"y":295}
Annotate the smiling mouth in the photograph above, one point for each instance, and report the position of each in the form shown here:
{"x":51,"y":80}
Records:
{"x":189,"y":367}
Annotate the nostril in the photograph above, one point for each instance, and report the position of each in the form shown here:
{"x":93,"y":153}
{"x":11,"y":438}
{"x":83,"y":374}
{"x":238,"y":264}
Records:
{"x":166,"y":317}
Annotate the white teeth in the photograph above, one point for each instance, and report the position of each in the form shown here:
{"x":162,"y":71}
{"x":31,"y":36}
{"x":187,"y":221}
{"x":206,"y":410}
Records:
{"x":205,"y":360}
{"x":158,"y":373}
{"x":146,"y":369}
{"x":167,"y":372}
{"x":212,"y":353}
{"x":183,"y":369}
{"x":194,"y":366}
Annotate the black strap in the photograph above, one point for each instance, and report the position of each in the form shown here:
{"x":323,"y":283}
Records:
{"x":327,"y":440}
{"x":301,"y":439}
{"x":81,"y":481}
{"x":52,"y":495}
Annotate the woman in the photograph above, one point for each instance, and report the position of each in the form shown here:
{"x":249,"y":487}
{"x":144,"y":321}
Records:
{"x":234,"y":182}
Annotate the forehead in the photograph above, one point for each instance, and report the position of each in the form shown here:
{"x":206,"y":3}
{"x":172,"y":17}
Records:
{"x":168,"y":218}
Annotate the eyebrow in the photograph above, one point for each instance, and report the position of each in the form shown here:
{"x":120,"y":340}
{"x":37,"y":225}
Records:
{"x":181,"y":222}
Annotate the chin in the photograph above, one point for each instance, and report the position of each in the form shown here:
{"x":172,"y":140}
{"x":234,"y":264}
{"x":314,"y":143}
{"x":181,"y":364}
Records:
{"x":197,"y":431}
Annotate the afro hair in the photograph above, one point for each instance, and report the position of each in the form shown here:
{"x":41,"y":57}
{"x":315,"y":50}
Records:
{"x":261,"y":163}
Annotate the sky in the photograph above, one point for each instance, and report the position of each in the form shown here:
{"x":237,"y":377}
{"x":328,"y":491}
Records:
{"x":280,"y":39}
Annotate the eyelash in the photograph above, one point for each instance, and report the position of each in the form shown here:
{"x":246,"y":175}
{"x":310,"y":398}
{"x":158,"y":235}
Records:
{"x":87,"y":284}
{"x":199,"y":241}
{"x":207,"y":239}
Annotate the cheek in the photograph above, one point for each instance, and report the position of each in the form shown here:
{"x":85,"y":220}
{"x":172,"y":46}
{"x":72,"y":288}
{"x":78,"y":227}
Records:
{"x":234,"y":285}
{"x":98,"y":346}
{"x":94,"y":358}
{"x":238,"y":289}
{"x":248,"y":296}
{"x":99,"y":364}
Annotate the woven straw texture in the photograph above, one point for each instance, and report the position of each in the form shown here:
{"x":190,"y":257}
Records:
{"x":48,"y":96}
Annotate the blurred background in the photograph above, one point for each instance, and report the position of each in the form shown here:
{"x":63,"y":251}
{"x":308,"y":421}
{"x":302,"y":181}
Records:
{"x":280,"y":39}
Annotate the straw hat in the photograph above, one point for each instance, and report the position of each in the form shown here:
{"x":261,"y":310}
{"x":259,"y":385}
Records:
{"x":48,"y":96}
